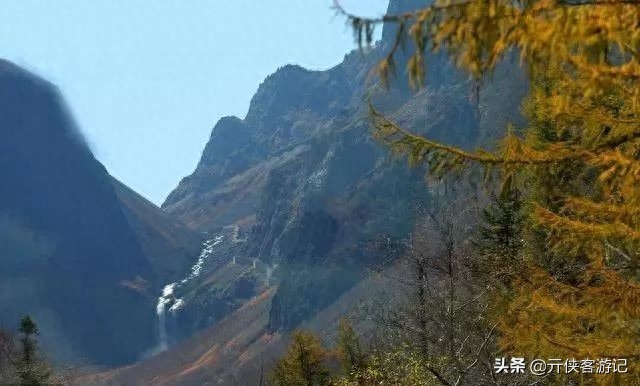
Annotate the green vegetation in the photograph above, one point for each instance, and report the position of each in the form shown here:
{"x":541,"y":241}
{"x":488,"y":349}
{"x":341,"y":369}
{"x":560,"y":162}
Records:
{"x":21,"y":363}
{"x":304,"y":364}
{"x":29,"y":370}
{"x":350,"y":351}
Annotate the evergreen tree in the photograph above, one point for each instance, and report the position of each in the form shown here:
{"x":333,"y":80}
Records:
{"x":29,"y":369}
{"x":304,"y":363}
{"x":499,"y":243}
{"x":501,"y":231}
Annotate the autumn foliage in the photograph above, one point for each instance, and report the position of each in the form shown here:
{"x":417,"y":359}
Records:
{"x":577,"y":162}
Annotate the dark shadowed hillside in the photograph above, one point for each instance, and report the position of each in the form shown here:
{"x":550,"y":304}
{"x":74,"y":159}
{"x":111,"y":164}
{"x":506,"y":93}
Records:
{"x":83,"y":255}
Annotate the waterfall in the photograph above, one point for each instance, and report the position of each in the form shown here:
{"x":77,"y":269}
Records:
{"x":167,"y":294}
{"x":168,"y":297}
{"x":269,"y":274}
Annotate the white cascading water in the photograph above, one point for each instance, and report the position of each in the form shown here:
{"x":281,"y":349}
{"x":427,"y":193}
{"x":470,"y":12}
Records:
{"x":269,"y":274}
{"x":167,"y":293}
{"x":168,"y":297}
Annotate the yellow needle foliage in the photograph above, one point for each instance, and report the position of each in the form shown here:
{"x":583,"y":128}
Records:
{"x":578,"y":160}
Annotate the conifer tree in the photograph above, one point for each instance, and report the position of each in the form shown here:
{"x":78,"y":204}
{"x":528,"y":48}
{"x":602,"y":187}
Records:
{"x":29,"y":369}
{"x":578,"y":294}
{"x":501,"y":231}
{"x":304,"y":363}
{"x":500,"y":239}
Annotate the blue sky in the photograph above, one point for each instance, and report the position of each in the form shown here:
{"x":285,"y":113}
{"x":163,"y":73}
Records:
{"x":147,"y":79}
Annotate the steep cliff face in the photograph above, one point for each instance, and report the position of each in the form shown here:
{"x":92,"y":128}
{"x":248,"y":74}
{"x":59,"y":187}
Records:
{"x":72,"y":245}
{"x":310,"y":186}
{"x":291,"y":107}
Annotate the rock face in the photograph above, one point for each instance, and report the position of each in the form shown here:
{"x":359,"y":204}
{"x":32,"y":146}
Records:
{"x":77,"y":246}
{"x":310,"y":186}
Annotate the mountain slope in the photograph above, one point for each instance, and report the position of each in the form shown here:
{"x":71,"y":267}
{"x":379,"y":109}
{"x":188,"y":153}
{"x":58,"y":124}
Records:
{"x":309,"y":185}
{"x":304,"y":181}
{"x":167,"y":244}
{"x":76,"y":250}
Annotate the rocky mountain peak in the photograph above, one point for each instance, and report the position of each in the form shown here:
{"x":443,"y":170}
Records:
{"x":294,"y":88}
{"x":398,"y":7}
{"x":229,"y":135}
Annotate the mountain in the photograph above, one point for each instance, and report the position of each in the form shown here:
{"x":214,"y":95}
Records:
{"x":304,"y":180}
{"x":80,"y":252}
{"x":307,"y":201}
